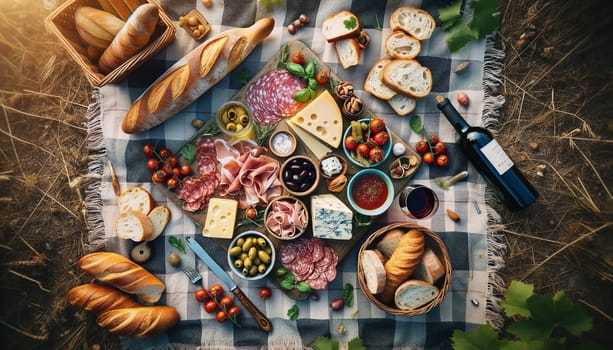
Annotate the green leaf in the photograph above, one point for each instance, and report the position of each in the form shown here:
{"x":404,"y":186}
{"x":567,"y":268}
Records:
{"x":293,"y":312}
{"x":350,"y":23}
{"x":188,"y":152}
{"x":288,"y":281}
{"x":309,"y":70}
{"x":560,"y":311}
{"x":324,"y":343}
{"x":303,"y":95}
{"x":177,"y":243}
{"x":482,"y":338}
{"x":485,"y":17}
{"x":283,"y":55}
{"x":295,"y":69}
{"x":459,"y":35}
{"x":243,"y":76}
{"x":531,"y":329}
{"x":450,"y":14}
{"x":348,"y":294}
{"x":528,"y":345}
{"x":303,"y":287}
{"x":416,"y":125}
{"x":515,"y":302}
{"x":356,"y":344}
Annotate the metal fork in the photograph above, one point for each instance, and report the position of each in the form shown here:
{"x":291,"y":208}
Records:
{"x":192,"y":274}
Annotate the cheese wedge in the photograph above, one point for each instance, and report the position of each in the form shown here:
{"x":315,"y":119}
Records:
{"x":220,"y":218}
{"x":322,"y":118}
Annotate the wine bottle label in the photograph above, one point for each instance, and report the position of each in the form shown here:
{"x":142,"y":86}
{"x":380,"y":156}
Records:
{"x":497,"y":156}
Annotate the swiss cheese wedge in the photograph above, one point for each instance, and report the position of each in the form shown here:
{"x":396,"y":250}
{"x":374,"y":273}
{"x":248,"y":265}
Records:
{"x":322,"y":118}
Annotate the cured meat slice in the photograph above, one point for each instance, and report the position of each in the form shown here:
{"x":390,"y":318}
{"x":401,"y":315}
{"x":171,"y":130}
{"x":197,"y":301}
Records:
{"x":196,"y":191}
{"x":299,"y":256}
{"x":271,"y":97}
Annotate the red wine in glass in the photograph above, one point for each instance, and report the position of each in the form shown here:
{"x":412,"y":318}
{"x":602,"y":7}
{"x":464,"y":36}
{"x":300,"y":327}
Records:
{"x":418,"y":201}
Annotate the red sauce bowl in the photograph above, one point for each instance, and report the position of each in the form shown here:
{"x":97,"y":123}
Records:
{"x":370,"y":192}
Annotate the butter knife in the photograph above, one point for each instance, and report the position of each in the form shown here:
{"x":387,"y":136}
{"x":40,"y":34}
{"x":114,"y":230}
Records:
{"x":260,"y":318}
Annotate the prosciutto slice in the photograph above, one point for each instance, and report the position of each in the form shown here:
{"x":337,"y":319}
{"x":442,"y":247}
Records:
{"x":286,"y":219}
{"x":248,"y":172}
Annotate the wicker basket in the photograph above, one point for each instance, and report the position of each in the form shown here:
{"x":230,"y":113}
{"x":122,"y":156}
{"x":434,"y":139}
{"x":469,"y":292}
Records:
{"x":61,"y":23}
{"x":434,"y":242}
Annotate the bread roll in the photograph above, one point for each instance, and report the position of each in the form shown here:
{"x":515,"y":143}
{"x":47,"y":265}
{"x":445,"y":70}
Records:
{"x":124,"y":274}
{"x":96,"y":27}
{"x":193,"y":75}
{"x":97,"y":299}
{"x":131,"y":39}
{"x":414,"y":293}
{"x":139,"y":321}
{"x":403,"y":262}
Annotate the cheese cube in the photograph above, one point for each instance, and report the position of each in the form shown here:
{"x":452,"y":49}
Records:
{"x":332,"y":219}
{"x":220,"y":218}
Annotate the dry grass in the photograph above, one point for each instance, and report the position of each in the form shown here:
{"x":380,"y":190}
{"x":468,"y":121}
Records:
{"x":557,"y":85}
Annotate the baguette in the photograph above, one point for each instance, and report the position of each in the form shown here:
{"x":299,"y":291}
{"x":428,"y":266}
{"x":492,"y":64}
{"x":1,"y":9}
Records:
{"x":133,"y":4}
{"x":96,"y":27}
{"x":131,"y":39}
{"x":402,"y":104}
{"x":430,"y":268}
{"x":408,"y":77}
{"x":414,"y":293}
{"x":133,"y":225}
{"x":402,"y":263}
{"x":193,"y":75}
{"x":135,"y":198}
{"x":402,"y":45}
{"x":121,"y":8}
{"x":373,"y":83}
{"x":414,"y":21}
{"x":374,"y":271}
{"x":348,"y":51}
{"x":97,"y":299}
{"x":388,"y":243}
{"x":139,"y":321}
{"x":124,"y":274}
{"x":341,"y":25}
{"x":159,"y":216}
{"x":106,"y":6}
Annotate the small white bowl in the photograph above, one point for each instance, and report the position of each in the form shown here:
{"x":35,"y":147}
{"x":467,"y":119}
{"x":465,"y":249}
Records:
{"x":240,"y":271}
{"x":355,"y":181}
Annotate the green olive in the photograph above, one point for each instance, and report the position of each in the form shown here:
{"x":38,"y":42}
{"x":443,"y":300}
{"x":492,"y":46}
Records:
{"x":264,"y":256}
{"x":256,"y":261}
{"x":261,"y":242}
{"x":240,"y":241}
{"x":243,"y":256}
{"x":247,"y":262}
{"x":238,"y":263}
{"x":247,"y":245}
{"x":253,"y":270}
{"x":235,"y":251}
{"x":245,"y":271}
{"x":232,"y":126}
{"x":268,"y":250}
{"x":253,"y":251}
{"x":243,"y":119}
{"x":261,"y":268}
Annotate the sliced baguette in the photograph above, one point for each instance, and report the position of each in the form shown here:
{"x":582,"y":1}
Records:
{"x":373,"y":83}
{"x":159,"y":216}
{"x":388,"y":243}
{"x":341,"y":25}
{"x":413,"y":21}
{"x":408,"y":77}
{"x":374,"y":271}
{"x":402,"y":45}
{"x":135,"y":198}
{"x":430,"y":268}
{"x":402,"y":104}
{"x":348,"y":51}
{"x":414,"y":293}
{"x":133,"y":225}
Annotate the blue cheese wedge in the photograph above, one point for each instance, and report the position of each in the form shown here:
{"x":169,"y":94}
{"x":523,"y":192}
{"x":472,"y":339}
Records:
{"x":332,"y":219}
{"x":220,"y":218}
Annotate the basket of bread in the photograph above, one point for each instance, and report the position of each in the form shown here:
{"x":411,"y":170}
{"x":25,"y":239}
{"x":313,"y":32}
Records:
{"x":404,"y":269}
{"x":111,"y":38}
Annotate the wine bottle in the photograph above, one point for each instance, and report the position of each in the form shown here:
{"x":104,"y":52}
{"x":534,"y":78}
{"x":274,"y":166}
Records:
{"x":490,"y":159}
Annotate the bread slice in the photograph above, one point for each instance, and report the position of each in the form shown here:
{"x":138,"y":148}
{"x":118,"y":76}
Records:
{"x":408,"y":77}
{"x":374,"y":271}
{"x":373,"y":83}
{"x":430,"y":269}
{"x":388,"y":243}
{"x":133,"y":225}
{"x":348,"y":51}
{"x":414,"y":293}
{"x":135,"y":198}
{"x":413,"y":21}
{"x":402,"y":45}
{"x":402,"y":104}
{"x":159,"y":217}
{"x":341,"y":25}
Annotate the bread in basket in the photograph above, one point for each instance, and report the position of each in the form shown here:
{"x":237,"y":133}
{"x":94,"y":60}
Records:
{"x":425,"y":246}
{"x":61,"y":22}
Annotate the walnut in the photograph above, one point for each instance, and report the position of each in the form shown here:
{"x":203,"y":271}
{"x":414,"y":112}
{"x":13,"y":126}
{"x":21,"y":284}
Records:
{"x":344,"y":90}
{"x":363,"y":39}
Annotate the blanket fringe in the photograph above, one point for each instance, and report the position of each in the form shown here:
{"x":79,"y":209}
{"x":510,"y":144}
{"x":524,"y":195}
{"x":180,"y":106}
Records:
{"x":97,"y":154}
{"x":492,"y":107}
{"x":129,"y":343}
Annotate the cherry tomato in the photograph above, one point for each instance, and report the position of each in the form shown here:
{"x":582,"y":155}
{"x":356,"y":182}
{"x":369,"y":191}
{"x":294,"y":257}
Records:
{"x":148,"y":149}
{"x":375,"y":155}
{"x":321,"y":77}
{"x":172,"y":183}
{"x":377,"y":125}
{"x":434,"y":139}
{"x":216,"y":290}
{"x":428,"y":158}
{"x":185,"y":169}
{"x":298,"y":57}
{"x":371,"y":143}
{"x":421,"y":146}
{"x":265,"y":293}
{"x":210,"y":306}
{"x":172,"y":161}
{"x":164,"y":153}
{"x":221,"y":316}
{"x":176,"y":172}
{"x":153,"y":164}
{"x":201,"y":295}
{"x":439,"y":147}
{"x":382,"y":138}
{"x":159,"y":176}
{"x":442,"y":160}
{"x":234,"y":311}
{"x":362,"y":149}
{"x":226,"y":302}
{"x":351,"y":143}
{"x":251,"y":212}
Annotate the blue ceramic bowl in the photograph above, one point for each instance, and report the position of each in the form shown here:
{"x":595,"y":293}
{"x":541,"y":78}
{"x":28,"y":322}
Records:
{"x":387,"y":148}
{"x":370,"y":192}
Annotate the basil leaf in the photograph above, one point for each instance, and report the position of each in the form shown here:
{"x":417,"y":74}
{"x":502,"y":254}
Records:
{"x":293,"y":312}
{"x":348,"y":294}
{"x":303,"y":95}
{"x":188,"y":152}
{"x":416,"y":125}
{"x":303,"y":287}
{"x":287,"y":285}
{"x":312,"y":84}
{"x":177,"y":243}
{"x":310,"y":69}
{"x":295,"y":69}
